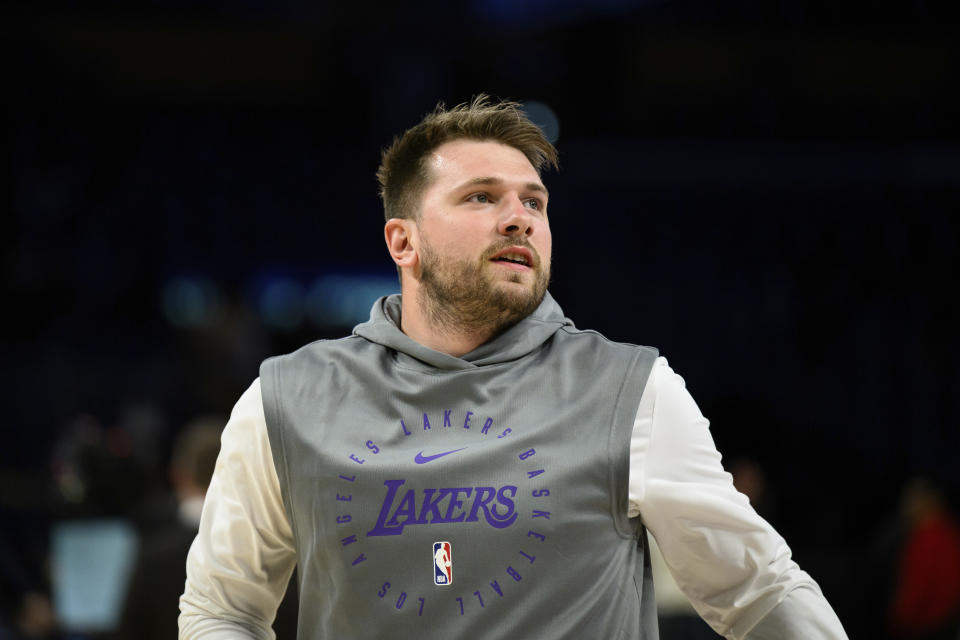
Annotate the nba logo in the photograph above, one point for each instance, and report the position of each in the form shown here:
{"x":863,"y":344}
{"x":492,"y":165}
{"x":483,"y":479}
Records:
{"x":442,"y":565}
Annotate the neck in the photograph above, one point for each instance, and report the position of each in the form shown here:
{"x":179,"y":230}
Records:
{"x":439,"y":331}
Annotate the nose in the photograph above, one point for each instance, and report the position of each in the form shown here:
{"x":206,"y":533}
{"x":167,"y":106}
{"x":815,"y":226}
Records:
{"x":515,"y":219}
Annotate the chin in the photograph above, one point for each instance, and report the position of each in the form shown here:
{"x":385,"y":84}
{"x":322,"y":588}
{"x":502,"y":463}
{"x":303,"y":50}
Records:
{"x":517,"y":290}
{"x":520,"y":298}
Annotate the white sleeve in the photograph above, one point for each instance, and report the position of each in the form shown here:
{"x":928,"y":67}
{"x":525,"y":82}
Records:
{"x":242,"y":558}
{"x":734,"y":567}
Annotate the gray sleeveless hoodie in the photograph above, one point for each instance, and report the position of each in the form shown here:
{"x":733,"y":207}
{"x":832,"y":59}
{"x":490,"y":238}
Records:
{"x":477,"y":497}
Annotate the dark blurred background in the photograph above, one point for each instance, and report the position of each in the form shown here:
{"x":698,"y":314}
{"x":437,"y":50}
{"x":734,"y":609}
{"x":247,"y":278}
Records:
{"x":768,"y":192}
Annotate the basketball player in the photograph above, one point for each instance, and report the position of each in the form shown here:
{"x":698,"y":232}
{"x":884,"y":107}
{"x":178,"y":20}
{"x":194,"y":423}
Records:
{"x":469,"y":410}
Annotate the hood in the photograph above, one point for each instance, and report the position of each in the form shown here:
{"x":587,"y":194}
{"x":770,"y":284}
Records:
{"x":383,"y":328}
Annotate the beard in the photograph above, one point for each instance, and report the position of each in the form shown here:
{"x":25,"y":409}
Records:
{"x":460,"y":296}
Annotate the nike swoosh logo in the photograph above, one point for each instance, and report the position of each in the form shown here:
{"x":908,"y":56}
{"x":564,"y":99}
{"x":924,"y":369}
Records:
{"x":422,"y":459}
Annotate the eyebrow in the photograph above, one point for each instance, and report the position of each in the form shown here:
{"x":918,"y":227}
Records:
{"x":491,"y":180}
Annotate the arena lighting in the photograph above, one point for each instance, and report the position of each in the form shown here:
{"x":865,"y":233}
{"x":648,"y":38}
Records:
{"x":281,"y":303}
{"x":190,"y":302}
{"x":544,"y":117}
{"x":344,"y":300}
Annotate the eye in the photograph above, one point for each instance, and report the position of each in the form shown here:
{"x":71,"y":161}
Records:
{"x":536,"y":204}
{"x":481,"y":198}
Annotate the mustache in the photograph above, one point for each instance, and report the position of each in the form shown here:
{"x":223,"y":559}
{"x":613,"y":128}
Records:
{"x":509,"y":244}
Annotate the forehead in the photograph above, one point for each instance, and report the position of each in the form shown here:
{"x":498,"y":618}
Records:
{"x":454,"y":162}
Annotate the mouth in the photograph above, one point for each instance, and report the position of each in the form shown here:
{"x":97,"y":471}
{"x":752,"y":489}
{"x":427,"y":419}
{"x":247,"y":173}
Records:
{"x":519,"y":257}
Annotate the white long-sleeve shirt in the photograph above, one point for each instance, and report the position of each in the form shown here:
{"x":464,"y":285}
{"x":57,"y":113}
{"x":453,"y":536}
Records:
{"x":736,"y":570}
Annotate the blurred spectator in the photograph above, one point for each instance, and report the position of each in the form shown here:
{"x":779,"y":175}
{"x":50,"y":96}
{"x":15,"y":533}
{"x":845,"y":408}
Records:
{"x":25,"y":608}
{"x":926,"y":600}
{"x":35,"y":618}
{"x":157,"y":581}
{"x":103,"y":471}
{"x":29,"y":618}
{"x":750,"y":479}
{"x":151,"y":607}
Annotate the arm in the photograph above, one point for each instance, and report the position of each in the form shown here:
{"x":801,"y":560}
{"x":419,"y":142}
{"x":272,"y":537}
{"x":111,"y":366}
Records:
{"x":241,"y":561}
{"x":735,"y":569}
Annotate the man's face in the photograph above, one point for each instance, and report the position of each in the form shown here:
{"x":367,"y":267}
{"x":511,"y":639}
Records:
{"x":485,"y":242}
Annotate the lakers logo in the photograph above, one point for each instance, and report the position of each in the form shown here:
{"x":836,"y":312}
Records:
{"x":516,"y":510}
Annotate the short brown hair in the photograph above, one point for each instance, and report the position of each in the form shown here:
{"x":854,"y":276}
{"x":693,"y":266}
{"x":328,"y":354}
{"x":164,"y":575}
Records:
{"x":403,"y":172}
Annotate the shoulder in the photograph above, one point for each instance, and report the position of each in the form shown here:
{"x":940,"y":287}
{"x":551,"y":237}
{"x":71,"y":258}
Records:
{"x":319,"y":348}
{"x":600,"y":341}
{"x":316,"y":353}
{"x":589,"y":350}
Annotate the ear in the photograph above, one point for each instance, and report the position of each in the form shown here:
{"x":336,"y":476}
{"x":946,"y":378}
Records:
{"x":400,"y":235}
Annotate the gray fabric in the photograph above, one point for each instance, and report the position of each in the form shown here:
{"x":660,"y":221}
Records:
{"x":523,"y":449}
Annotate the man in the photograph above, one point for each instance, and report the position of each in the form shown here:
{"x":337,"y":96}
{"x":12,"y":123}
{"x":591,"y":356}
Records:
{"x":926,"y":598}
{"x":469,"y":412}
{"x":158,"y":575}
{"x":157,"y":578}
